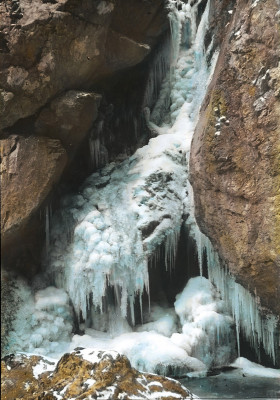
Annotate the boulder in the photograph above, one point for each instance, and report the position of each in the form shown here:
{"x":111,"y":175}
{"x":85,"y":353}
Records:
{"x":30,"y":167}
{"x":235,"y":164}
{"x":69,"y":118}
{"x":52,"y":46}
{"x":83,"y":374}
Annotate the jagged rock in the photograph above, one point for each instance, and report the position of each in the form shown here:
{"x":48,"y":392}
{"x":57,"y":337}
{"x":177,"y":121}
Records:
{"x":236,"y":174}
{"x":69,"y":44}
{"x":30,"y":166}
{"x":83,"y":374}
{"x":69,"y":118}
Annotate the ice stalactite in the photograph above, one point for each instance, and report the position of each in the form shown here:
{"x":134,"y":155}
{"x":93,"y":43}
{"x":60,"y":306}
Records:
{"x":47,"y":228}
{"x":159,"y":70}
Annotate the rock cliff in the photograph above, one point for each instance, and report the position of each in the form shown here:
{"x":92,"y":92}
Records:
{"x":235,"y":157}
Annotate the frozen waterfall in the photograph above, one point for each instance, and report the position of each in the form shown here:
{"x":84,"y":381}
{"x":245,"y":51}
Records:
{"x":125,"y":219}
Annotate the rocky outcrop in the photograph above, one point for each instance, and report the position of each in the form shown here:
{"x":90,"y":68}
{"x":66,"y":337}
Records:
{"x":30,"y":167}
{"x":83,"y":374}
{"x":235,"y":168}
{"x":52,"y":46}
{"x":69,"y":118}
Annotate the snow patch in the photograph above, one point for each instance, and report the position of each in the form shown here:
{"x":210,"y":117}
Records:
{"x":252,"y":369}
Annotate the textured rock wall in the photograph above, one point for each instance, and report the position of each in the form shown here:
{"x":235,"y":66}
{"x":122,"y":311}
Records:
{"x":52,"y":46}
{"x":235,"y":157}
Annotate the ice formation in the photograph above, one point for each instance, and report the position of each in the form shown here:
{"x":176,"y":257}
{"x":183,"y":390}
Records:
{"x":43,"y":323}
{"x":259,"y":329}
{"x":205,"y":340}
{"x":105,"y":235}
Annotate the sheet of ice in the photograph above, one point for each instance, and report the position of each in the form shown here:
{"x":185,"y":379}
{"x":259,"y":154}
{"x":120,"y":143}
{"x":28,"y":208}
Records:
{"x":156,"y":346}
{"x":252,"y":369}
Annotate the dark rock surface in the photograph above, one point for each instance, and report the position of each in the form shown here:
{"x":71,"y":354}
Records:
{"x":30,"y":167}
{"x":68,"y":118}
{"x":68,"y":44}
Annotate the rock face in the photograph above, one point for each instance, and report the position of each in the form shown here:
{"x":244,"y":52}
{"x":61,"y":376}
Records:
{"x":30,"y":166}
{"x":69,"y":118}
{"x":235,"y":164}
{"x":83,"y":374}
{"x":52,"y":46}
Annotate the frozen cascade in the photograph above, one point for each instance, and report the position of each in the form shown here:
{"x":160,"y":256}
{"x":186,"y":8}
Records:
{"x":124,"y":216}
{"x":125,"y":211}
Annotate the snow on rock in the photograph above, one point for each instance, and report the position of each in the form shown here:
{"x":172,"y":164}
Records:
{"x":45,"y":365}
{"x":84,"y":373}
{"x":252,"y":369}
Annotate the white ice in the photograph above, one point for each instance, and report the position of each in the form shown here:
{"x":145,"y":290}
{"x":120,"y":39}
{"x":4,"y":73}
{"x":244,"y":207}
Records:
{"x":43,"y":322}
{"x":252,"y":369}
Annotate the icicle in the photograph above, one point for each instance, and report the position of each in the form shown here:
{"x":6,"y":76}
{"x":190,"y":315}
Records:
{"x":170,"y":248}
{"x":94,"y":147}
{"x":47,"y":229}
{"x":244,"y":307}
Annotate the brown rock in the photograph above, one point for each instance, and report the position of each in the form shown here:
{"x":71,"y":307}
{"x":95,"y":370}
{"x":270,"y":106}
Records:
{"x":69,"y":118}
{"x":83,"y":374}
{"x":30,"y":166}
{"x":236,"y":174}
{"x":68,"y":44}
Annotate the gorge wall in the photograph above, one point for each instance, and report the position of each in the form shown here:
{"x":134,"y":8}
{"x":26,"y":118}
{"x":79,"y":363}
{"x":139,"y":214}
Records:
{"x":235,"y":158}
